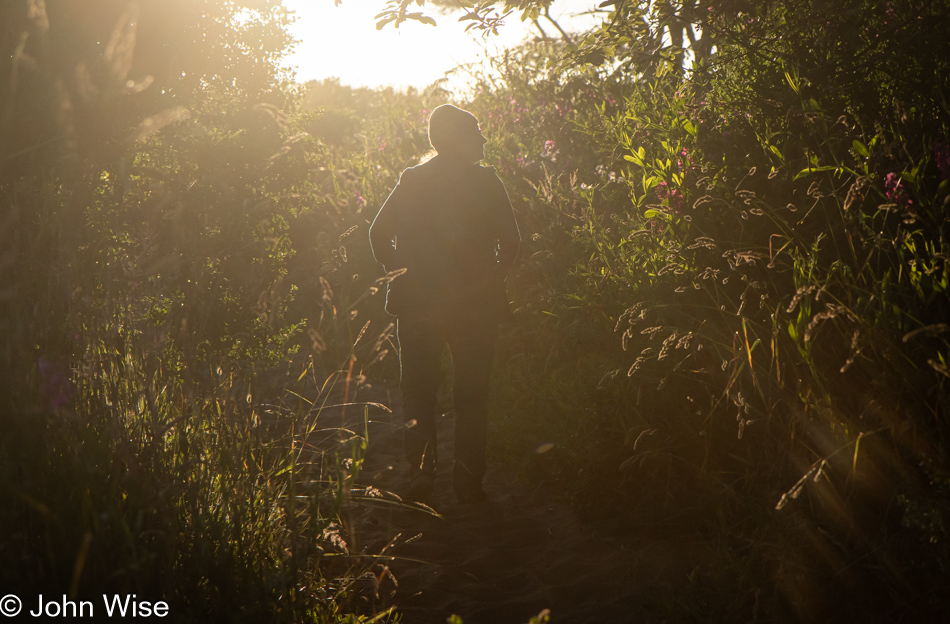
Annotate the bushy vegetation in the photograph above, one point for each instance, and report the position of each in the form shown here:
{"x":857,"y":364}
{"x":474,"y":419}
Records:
{"x":732,"y":302}
{"x":154,"y":172}
{"x":729,"y":312}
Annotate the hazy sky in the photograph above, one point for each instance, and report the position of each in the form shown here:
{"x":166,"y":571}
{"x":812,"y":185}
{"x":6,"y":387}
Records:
{"x":343,"y":42}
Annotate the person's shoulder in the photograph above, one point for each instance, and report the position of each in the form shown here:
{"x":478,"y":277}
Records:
{"x":489,"y":176}
{"x":487,"y":172}
{"x":409,"y":173}
{"x":418,"y":172}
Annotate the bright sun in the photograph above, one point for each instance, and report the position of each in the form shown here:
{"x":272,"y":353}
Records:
{"x":343,"y":42}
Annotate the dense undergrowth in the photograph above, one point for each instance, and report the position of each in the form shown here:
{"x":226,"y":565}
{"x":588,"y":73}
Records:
{"x":163,"y":433}
{"x":732,"y":304}
{"x":729,"y":310}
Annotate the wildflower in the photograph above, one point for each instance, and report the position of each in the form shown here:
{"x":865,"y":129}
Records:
{"x":895,"y":190}
{"x":360,"y":202}
{"x":523,"y":162}
{"x":942,"y":156}
{"x":55,"y":384}
{"x":676,"y":200}
{"x":550,"y":150}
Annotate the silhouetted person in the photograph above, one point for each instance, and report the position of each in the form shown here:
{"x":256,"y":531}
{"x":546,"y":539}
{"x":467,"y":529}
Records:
{"x":449,"y":223}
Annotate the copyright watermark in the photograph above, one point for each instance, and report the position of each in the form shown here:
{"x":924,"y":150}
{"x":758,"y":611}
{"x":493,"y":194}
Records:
{"x":10,"y":605}
{"x":110,"y":605}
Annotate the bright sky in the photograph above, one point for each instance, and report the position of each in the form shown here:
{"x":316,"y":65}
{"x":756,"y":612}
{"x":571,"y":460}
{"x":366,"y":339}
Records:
{"x":343,"y":42}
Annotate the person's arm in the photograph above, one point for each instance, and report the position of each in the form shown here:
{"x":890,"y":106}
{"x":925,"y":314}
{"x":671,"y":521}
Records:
{"x":383,"y":230}
{"x":506,"y":229}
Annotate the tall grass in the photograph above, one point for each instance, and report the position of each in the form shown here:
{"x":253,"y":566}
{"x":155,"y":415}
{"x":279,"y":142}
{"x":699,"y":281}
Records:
{"x":132,"y":468}
{"x":749,"y":277}
{"x":729,"y":319}
{"x":162,"y":425}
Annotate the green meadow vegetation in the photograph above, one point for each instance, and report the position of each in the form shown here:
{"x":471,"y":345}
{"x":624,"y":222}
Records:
{"x":730,"y":305}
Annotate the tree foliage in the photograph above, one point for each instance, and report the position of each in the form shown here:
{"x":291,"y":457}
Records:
{"x":151,"y":176}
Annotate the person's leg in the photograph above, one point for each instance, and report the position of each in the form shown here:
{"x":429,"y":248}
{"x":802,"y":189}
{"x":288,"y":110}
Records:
{"x":473,"y":345}
{"x":420,"y":356}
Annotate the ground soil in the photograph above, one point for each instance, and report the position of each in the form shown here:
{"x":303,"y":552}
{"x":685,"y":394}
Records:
{"x":507,"y":559}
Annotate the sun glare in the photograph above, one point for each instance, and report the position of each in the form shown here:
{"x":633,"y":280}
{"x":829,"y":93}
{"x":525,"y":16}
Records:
{"x":342,"y":42}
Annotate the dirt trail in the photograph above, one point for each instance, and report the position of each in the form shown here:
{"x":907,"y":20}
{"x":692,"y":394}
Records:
{"x":505,"y":560}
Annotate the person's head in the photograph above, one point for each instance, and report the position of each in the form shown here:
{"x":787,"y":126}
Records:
{"x":454,"y":133}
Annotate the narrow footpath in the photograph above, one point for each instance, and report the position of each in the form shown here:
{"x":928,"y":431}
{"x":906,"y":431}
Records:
{"x":505,"y":560}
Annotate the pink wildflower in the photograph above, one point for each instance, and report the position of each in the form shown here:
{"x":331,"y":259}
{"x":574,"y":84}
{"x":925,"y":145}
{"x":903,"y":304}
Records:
{"x":895,"y":191}
{"x":676,"y":200}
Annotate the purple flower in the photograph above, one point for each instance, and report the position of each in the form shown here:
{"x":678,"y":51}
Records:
{"x":895,"y":191}
{"x":676,"y":200}
{"x":55,"y":384}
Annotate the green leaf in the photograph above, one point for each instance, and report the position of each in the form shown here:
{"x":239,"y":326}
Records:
{"x":804,"y":172}
{"x":634,"y":158}
{"x":775,"y":150}
{"x":860,"y":148}
{"x":653,"y":213}
{"x":791,"y":82}
{"x":380,"y":24}
{"x":419,"y":17}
